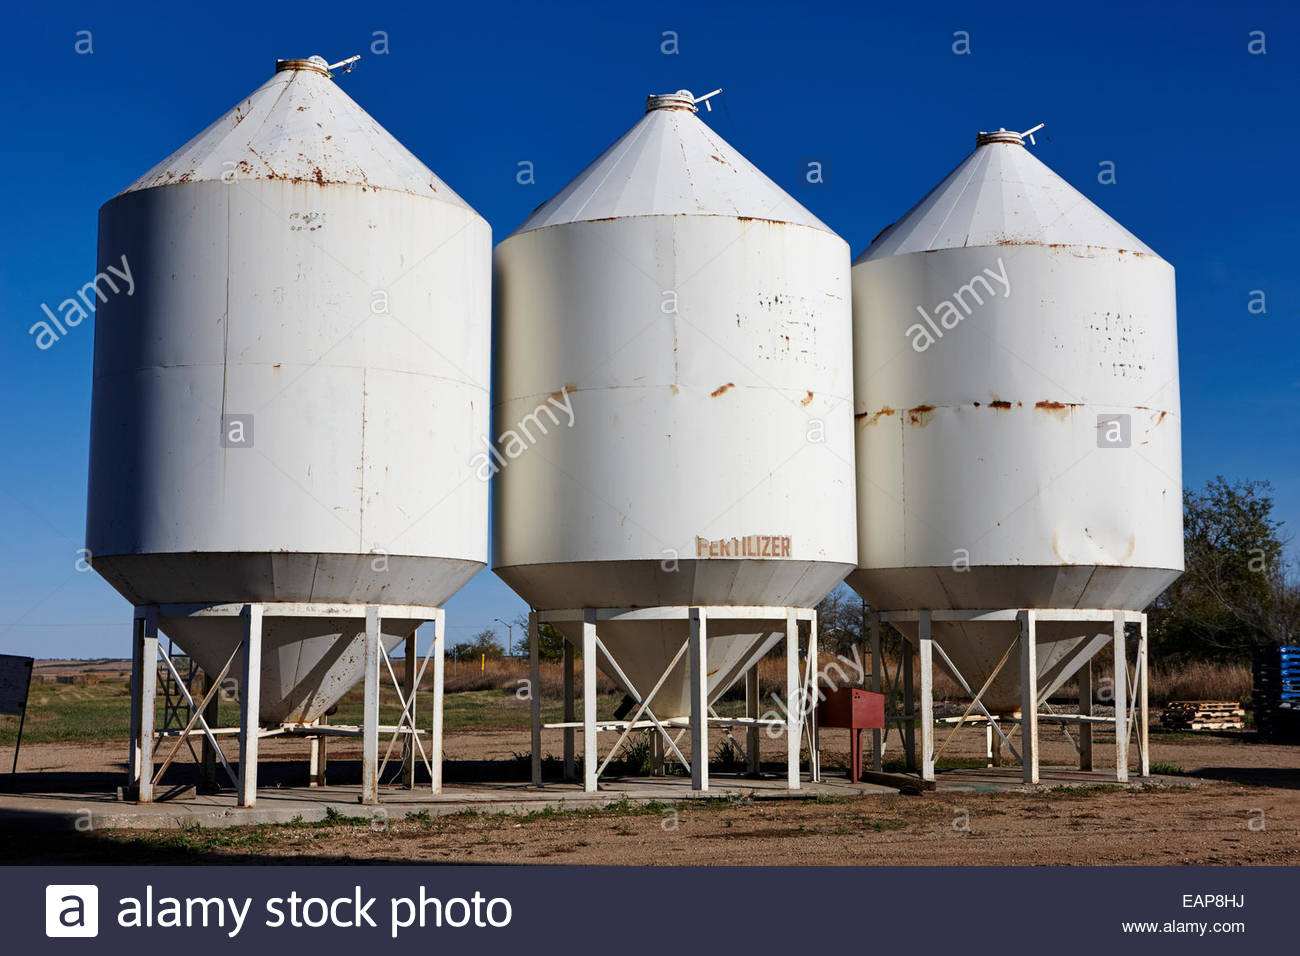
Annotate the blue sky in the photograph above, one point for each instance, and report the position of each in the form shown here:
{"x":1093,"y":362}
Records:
{"x":1202,"y":134}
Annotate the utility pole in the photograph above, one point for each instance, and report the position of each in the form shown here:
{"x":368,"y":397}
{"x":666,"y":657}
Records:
{"x":510,"y":630}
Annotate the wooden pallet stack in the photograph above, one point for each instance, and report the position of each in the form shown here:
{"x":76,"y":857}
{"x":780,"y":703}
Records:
{"x":1204,"y":715}
{"x":1276,"y":694}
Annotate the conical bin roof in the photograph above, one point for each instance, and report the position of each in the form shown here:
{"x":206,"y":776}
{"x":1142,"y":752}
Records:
{"x":670,"y":163}
{"x":299,"y":126}
{"x":1001,"y":194}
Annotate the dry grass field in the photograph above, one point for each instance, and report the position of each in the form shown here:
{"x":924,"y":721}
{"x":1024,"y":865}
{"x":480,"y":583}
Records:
{"x":91,"y":702}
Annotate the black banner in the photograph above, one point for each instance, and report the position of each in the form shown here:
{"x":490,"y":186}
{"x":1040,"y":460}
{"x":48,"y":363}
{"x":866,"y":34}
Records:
{"x":649,"y":910}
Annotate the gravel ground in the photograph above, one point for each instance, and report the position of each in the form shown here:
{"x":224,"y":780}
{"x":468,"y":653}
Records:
{"x":1247,"y":813}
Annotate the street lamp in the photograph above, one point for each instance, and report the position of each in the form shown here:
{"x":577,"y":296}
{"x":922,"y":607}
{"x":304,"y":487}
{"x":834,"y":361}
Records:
{"x":510,"y":629}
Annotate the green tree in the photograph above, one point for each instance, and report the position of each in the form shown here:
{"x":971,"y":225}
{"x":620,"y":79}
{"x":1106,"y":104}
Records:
{"x":550,"y":642}
{"x":839,"y":622}
{"x":484,"y":643}
{"x":1236,"y":590}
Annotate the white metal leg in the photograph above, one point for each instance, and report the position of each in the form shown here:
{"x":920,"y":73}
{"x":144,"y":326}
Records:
{"x":1029,"y":695}
{"x":133,"y":748}
{"x":925,"y":655}
{"x":793,"y":705}
{"x":535,"y":697}
{"x":699,"y":670}
{"x":147,"y":629}
{"x":250,"y":704}
{"x":370,"y":716}
{"x":316,"y":763}
{"x":753,"y":761}
{"x":909,"y":708}
{"x":813,"y":691}
{"x":1144,"y":714}
{"x":1085,"y":710}
{"x":439,"y":675}
{"x":1121,"y":699}
{"x":877,"y":663}
{"x":589,"y":759}
{"x":570,"y":770}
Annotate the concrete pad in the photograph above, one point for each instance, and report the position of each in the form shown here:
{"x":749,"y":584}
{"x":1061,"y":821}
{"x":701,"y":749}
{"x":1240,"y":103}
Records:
{"x":98,"y":810}
{"x":93,"y":809}
{"x":1008,"y":779}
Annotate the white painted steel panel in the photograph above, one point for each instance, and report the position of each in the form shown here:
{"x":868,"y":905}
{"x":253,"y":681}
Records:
{"x":983,"y":479}
{"x":295,"y":264}
{"x":694,"y":321}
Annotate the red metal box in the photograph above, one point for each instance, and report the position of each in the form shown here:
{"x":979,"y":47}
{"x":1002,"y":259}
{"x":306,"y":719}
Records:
{"x":852,"y":708}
